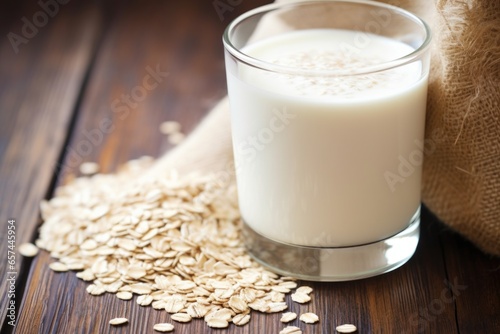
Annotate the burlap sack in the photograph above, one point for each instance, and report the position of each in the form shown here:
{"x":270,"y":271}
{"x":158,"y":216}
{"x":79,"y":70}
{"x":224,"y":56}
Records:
{"x":461,"y":176}
{"x":461,"y":181}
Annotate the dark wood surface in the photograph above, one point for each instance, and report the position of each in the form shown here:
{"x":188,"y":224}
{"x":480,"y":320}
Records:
{"x":62,"y":83}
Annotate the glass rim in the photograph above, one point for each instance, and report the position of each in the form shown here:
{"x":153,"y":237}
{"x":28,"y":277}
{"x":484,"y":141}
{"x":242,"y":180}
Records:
{"x":271,"y":67}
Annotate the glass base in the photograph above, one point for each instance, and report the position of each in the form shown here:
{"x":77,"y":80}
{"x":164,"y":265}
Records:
{"x":336,"y":263}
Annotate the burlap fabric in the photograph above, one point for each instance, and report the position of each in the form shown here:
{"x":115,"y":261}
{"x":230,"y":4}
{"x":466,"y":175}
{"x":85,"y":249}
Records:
{"x":461,"y":181}
{"x":461,"y":176}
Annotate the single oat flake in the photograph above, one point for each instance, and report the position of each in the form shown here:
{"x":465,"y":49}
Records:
{"x":163,"y":327}
{"x":241,"y":319}
{"x":291,"y":330}
{"x":95,"y":290}
{"x":58,"y":267}
{"x":346,"y":328}
{"x":217,"y":323}
{"x":169,"y":127}
{"x":89,"y":168}
{"x":28,"y":250}
{"x":181,"y":317}
{"x":300,"y":297}
{"x":304,"y":289}
{"x":124,"y":295}
{"x":118,"y":321}
{"x":309,"y":318}
{"x":288,"y":316}
{"x":144,"y":300}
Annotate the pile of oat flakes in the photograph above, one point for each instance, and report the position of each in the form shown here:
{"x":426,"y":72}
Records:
{"x":172,"y":241}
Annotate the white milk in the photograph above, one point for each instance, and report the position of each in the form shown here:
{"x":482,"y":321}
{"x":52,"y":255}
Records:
{"x":314,"y":155}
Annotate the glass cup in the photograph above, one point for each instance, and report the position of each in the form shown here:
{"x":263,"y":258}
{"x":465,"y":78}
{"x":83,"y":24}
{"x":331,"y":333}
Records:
{"x":328,"y":106}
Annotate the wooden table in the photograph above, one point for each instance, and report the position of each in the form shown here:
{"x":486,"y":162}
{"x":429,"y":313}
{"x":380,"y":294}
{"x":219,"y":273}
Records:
{"x":67,"y":78}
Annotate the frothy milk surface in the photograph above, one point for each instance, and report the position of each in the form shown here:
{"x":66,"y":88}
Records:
{"x":313,"y":153}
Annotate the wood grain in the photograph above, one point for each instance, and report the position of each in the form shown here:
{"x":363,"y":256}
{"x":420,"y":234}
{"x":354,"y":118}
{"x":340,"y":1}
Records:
{"x":168,"y":35}
{"x":39,"y":88}
{"x":475,"y":278}
{"x":184,"y":39}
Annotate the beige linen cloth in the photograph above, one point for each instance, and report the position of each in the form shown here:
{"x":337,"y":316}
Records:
{"x":461,"y":180}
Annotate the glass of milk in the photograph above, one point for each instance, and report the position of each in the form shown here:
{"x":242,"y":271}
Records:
{"x":328,"y":106}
